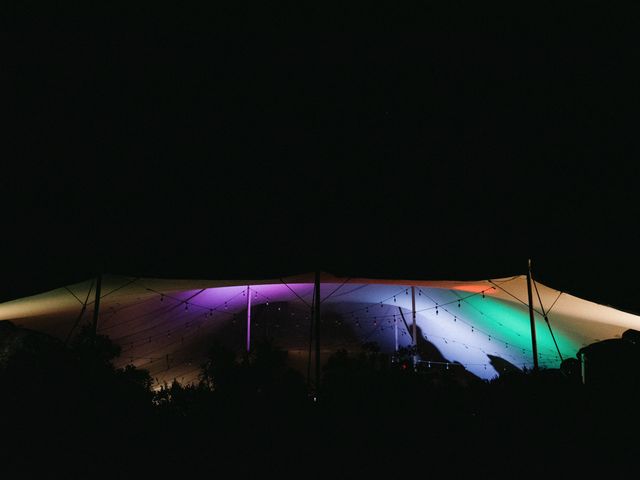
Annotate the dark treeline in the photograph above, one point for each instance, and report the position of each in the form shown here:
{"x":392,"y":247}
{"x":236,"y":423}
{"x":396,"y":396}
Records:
{"x":66,"y":412}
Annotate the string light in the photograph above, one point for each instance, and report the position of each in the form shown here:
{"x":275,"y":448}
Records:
{"x":436,"y":307}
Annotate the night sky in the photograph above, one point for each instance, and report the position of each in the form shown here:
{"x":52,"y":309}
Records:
{"x":453,"y":155}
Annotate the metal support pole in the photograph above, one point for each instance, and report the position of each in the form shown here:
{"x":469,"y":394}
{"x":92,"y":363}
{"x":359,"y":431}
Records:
{"x":534,"y":343}
{"x":395,"y":327}
{"x":248,"y":318}
{"x":311,"y":327}
{"x":96,"y":305}
{"x":316,"y":314}
{"x":414,"y":333}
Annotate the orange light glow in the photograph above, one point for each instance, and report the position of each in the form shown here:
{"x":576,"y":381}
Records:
{"x":475,"y":288}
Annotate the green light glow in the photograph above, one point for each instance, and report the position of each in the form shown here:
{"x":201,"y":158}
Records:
{"x":510,"y":323}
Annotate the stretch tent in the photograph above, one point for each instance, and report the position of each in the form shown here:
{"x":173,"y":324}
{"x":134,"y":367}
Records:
{"x":166,"y":326}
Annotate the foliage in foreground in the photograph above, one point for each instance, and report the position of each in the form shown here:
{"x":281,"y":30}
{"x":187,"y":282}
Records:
{"x":69,"y":411}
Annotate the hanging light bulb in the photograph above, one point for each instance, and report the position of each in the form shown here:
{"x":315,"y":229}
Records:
{"x":186,"y":306}
{"x":458,"y":303}
{"x":162,"y":297}
{"x":394,"y":299}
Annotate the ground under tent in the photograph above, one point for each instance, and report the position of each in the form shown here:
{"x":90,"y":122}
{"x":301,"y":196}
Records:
{"x":166,"y":325}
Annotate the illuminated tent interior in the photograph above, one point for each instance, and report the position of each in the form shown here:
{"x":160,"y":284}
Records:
{"x":166,"y":326}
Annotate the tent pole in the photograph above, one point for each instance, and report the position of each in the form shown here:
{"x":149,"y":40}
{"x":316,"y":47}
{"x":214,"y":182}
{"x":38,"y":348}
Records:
{"x":96,"y":305}
{"x":395,"y":327}
{"x":534,"y":343}
{"x":414,"y":333}
{"x":316,"y":314}
{"x":248,"y":318}
{"x":311,"y":326}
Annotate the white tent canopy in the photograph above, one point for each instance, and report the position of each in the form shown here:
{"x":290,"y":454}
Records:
{"x":165,"y":325}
